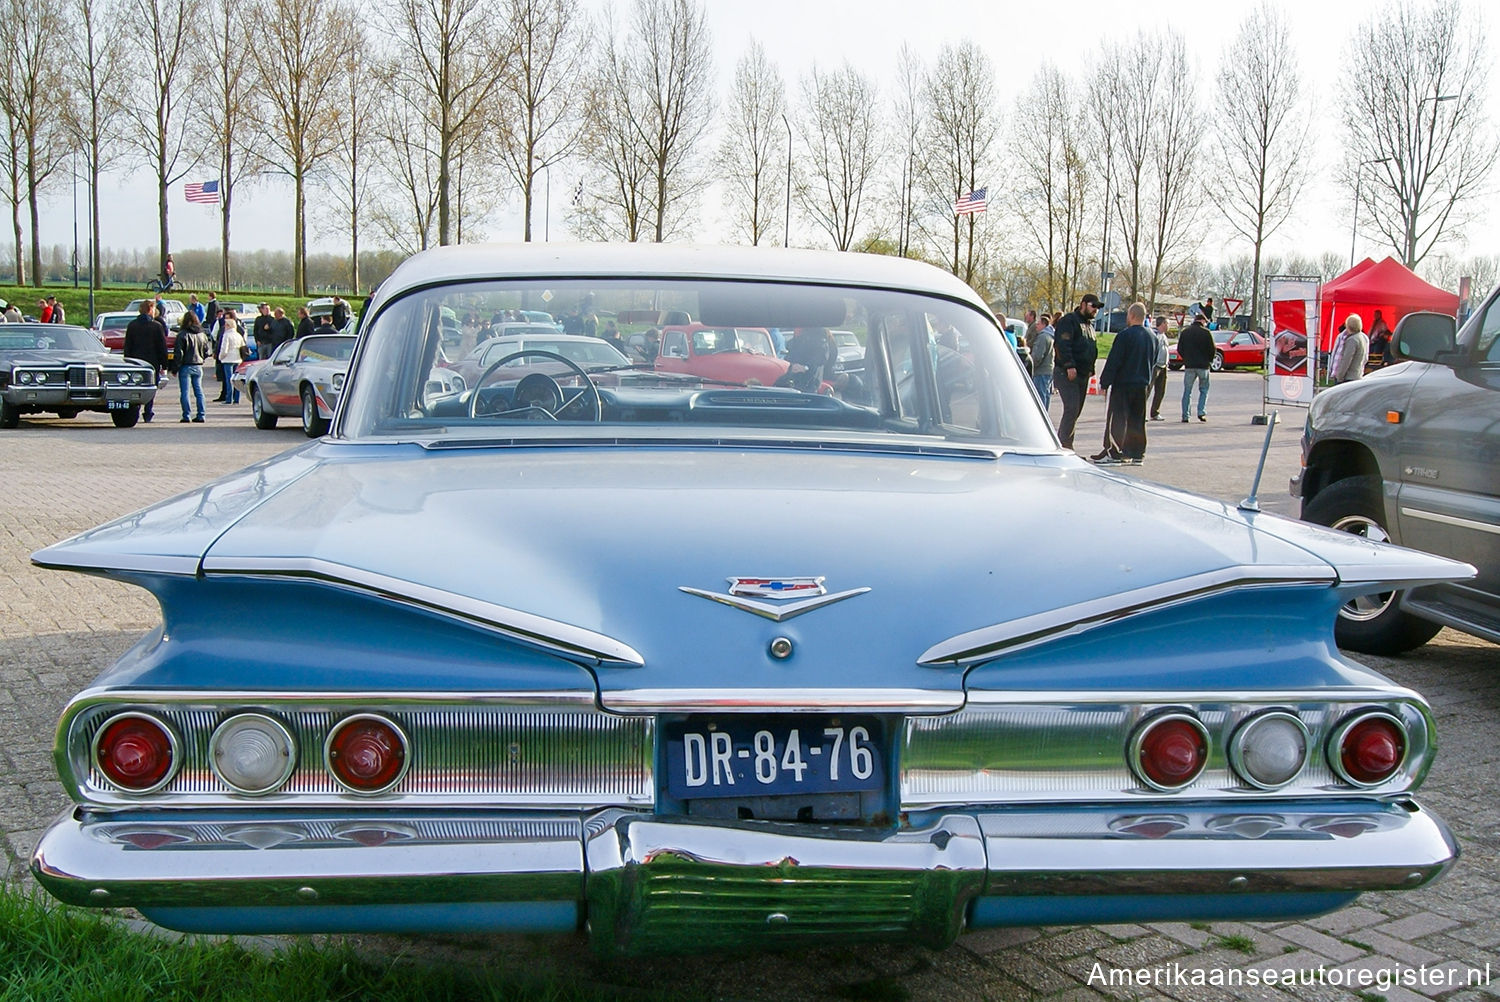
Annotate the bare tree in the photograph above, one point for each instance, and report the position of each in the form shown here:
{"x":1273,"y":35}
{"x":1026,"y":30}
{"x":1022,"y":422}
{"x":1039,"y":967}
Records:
{"x":1053,"y":181}
{"x":1177,"y":191}
{"x":960,"y":94}
{"x":752,"y":150}
{"x":406,"y":211}
{"x":96,"y":50}
{"x":349,"y":174}
{"x":910,"y":127}
{"x":13,"y":165}
{"x":457,"y":54}
{"x":541,"y":93}
{"x":841,"y":140}
{"x":1133,"y":97}
{"x":615,"y":207}
{"x":164,"y":104}
{"x":1416,"y":113}
{"x":229,"y":101}
{"x":1263,"y":131}
{"x":300,"y":86}
{"x":669,"y":62}
{"x":37,"y":100}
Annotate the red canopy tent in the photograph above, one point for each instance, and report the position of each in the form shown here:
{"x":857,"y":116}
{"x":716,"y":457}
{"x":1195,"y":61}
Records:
{"x":1386,"y":286}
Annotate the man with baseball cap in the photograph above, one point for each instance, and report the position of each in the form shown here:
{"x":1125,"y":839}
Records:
{"x":1075,"y":352}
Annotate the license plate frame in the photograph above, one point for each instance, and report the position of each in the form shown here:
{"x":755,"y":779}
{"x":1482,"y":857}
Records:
{"x":725,"y":755}
{"x":117,"y":404}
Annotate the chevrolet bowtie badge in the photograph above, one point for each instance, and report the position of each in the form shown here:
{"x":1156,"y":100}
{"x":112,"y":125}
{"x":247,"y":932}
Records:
{"x":789,"y":596}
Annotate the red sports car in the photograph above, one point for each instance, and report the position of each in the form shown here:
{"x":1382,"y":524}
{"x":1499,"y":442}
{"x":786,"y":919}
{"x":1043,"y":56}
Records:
{"x":1232,"y":349}
{"x":729,"y":354}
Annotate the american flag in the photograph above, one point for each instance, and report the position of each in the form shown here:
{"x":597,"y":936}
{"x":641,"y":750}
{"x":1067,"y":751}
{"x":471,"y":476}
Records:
{"x":202,"y":191}
{"x":974,"y":201}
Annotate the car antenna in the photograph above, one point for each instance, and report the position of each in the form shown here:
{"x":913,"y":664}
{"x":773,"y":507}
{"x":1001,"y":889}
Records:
{"x":1250,"y":503}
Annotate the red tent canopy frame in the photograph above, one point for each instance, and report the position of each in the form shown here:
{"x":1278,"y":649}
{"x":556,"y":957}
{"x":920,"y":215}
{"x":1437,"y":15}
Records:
{"x":1386,"y":286}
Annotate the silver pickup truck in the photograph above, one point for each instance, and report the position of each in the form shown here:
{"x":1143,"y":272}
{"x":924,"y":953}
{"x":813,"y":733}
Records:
{"x":1411,"y":453}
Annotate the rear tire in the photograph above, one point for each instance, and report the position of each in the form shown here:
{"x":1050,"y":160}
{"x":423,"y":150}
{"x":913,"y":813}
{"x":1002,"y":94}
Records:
{"x":1217,"y":365}
{"x":10,"y":416}
{"x":264,"y":419}
{"x":1372,"y":624}
{"x":314,"y":425}
{"x":67,"y":412}
{"x":126,"y":419}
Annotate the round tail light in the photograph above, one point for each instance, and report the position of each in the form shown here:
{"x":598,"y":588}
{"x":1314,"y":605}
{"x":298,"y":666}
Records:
{"x":252,"y":753}
{"x":1269,"y":750}
{"x":1168,"y":752}
{"x":1367,"y":749}
{"x":136,"y":752}
{"x":367,"y":753}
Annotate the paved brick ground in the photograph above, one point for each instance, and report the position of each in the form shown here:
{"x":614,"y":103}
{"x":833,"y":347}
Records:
{"x":57,"y":630}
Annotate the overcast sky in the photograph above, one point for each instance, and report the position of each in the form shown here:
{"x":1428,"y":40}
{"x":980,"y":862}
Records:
{"x":1018,"y":36}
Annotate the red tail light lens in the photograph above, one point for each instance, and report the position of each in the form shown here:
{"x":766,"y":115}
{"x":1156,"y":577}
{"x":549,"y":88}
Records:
{"x":1168,"y":752}
{"x":136,"y":752}
{"x":367,"y":753}
{"x":1367,"y":750}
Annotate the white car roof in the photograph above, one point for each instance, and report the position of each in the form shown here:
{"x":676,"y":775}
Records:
{"x":475,"y":262}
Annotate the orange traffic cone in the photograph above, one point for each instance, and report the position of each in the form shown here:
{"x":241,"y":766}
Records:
{"x":1093,"y":386}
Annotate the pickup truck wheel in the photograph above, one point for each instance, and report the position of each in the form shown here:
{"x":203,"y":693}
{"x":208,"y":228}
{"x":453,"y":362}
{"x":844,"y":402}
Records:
{"x":1373,"y":624}
{"x":10,"y":416}
{"x":126,"y":418}
{"x":265,"y":420}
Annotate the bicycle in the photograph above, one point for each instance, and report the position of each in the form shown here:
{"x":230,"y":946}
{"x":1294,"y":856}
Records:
{"x":159,"y":285}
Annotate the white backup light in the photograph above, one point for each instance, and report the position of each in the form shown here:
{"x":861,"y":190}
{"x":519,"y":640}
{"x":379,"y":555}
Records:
{"x":252,"y":753}
{"x":1269,"y":750}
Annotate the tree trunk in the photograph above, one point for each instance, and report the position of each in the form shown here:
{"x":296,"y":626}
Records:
{"x":299,"y":238}
{"x":224,"y":236}
{"x":15,"y":218}
{"x":31,"y":200}
{"x":94,"y":219}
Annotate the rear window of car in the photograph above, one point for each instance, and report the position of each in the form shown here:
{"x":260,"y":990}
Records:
{"x":911,"y":385}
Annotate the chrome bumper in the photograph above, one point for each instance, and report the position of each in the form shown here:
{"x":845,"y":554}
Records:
{"x":648,"y":884}
{"x":84,"y":398}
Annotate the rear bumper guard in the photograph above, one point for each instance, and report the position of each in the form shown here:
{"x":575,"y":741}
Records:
{"x":647,"y":884}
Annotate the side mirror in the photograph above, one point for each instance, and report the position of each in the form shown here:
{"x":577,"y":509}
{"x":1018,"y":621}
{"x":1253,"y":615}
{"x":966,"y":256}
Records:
{"x":1424,"y":337}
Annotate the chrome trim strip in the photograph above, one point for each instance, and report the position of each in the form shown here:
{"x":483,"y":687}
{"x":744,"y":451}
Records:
{"x":770,"y":610}
{"x":743,"y":700}
{"x":1462,"y":523}
{"x":524,"y":627}
{"x":110,"y":564}
{"x":1019,"y":634}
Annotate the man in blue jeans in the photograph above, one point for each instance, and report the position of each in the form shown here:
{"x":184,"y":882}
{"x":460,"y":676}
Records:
{"x":1195,"y":346}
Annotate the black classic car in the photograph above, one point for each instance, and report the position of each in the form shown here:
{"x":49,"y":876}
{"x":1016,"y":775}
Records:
{"x":63,"y":370}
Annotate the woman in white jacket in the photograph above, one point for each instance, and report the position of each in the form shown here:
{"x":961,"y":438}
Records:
{"x":231,"y":347}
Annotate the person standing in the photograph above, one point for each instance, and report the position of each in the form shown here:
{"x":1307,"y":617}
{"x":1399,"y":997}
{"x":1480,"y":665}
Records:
{"x":304,"y":322}
{"x":1159,"y":369}
{"x":13,"y":314}
{"x":282,"y":331}
{"x":1075,"y":353}
{"x":230,"y":352}
{"x":1208,"y":312}
{"x":57,"y":315}
{"x":192,"y":350}
{"x":1042,"y":358}
{"x":1127,"y":375}
{"x":146,"y":339}
{"x":340,"y":314}
{"x":1380,"y":340}
{"x":1349,"y":357}
{"x":263,"y":332}
{"x":44,"y":311}
{"x":196,"y":306}
{"x":1195,"y":346}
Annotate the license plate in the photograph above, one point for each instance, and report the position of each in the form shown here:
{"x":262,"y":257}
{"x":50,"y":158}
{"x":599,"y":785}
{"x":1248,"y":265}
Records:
{"x":117,"y":405}
{"x":734,"y":756}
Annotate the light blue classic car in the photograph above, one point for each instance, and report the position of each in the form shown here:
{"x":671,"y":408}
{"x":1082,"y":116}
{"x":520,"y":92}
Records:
{"x":565,"y":650}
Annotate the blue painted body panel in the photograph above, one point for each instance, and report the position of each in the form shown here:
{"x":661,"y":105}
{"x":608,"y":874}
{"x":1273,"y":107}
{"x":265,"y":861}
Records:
{"x":1069,"y":910}
{"x":464,"y":917}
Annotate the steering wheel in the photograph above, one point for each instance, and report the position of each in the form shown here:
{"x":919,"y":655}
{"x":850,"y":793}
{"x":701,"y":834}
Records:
{"x":537,"y":387}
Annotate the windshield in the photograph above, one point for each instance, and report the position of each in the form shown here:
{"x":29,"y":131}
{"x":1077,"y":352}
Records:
{"x":326,"y":349}
{"x":713,"y":363}
{"x":42,"y":337}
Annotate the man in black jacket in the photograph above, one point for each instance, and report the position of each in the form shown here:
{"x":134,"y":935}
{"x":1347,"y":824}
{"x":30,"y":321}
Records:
{"x":1126,"y":375}
{"x":146,"y":339}
{"x":1195,"y":346}
{"x":261,"y":330}
{"x":1075,"y":353}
